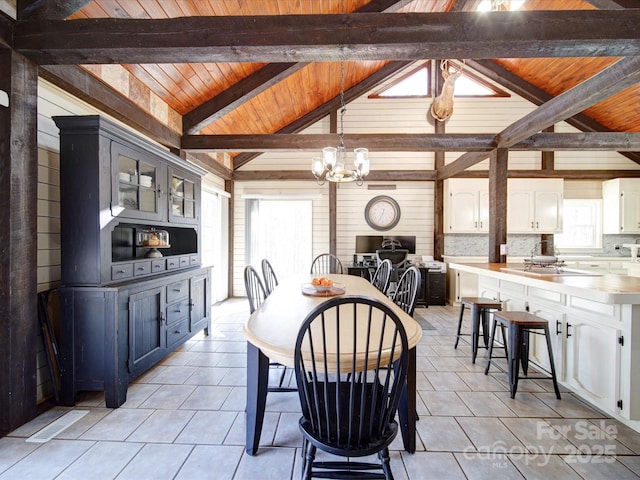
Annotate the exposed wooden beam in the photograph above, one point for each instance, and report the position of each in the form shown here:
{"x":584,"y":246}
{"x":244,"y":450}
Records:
{"x":256,"y":83}
{"x":6,"y":31}
{"x":309,"y":142}
{"x":378,"y":175}
{"x":617,"y":77}
{"x":325,"y":109}
{"x":430,"y":175}
{"x":85,"y":86}
{"x":49,"y":9}
{"x":593,"y":141}
{"x":307,"y":38}
{"x":509,"y":80}
{"x":243,"y":91}
{"x":411,"y":142}
{"x":613,"y":79}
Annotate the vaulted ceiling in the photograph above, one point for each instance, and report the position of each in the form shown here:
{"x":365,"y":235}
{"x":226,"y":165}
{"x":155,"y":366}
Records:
{"x":233,"y":71}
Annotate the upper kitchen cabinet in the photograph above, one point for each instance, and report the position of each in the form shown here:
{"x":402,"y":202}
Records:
{"x":534,"y":205}
{"x":466,"y":205}
{"x":621,"y":201}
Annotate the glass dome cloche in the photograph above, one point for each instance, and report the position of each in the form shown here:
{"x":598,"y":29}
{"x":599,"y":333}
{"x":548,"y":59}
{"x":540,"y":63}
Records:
{"x":153,"y":239}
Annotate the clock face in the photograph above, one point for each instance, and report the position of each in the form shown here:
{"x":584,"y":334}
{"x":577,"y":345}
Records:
{"x":382,"y":213}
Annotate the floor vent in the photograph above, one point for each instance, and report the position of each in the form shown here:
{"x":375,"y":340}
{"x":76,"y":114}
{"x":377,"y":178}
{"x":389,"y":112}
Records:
{"x":54,"y":428}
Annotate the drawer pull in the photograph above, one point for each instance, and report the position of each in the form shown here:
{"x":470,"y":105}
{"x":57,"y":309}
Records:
{"x":122,"y":271}
{"x":177,"y":290}
{"x":177,"y":332}
{"x":178,"y":310}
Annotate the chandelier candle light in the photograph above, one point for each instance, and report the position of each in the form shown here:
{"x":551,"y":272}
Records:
{"x":332,"y":165}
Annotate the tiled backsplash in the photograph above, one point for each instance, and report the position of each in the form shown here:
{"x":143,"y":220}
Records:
{"x":524,"y":245}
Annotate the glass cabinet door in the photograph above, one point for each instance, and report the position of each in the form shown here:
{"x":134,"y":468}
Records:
{"x":183,"y":203}
{"x":137,"y":184}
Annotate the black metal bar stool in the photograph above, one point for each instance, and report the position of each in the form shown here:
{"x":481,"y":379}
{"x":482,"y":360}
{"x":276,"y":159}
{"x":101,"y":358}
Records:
{"x":519,"y":325}
{"x":480,"y":309}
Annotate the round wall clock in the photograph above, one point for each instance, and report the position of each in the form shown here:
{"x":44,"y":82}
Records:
{"x":382,"y":213}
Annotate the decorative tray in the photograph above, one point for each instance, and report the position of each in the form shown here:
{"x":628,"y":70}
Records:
{"x":323,"y":291}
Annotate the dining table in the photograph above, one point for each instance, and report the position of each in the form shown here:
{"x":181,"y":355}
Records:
{"x":271,"y":332}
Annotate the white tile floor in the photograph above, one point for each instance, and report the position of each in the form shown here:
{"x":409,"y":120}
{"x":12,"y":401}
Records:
{"x":184,"y":419}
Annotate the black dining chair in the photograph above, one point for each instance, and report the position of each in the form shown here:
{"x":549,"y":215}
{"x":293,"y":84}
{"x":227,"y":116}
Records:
{"x":407,"y":290}
{"x":382,"y":276}
{"x":349,"y":407}
{"x":326,"y":263}
{"x":256,"y":294}
{"x":269,"y":276}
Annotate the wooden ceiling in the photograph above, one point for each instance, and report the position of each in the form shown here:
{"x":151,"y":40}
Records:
{"x":242,"y":96}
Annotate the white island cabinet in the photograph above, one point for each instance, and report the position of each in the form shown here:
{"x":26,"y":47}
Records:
{"x":594,"y":321}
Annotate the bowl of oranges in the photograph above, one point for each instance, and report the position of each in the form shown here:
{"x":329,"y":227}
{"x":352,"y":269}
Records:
{"x":322,"y":284}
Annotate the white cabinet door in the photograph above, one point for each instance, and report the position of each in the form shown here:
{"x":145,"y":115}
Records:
{"x":466,"y":208}
{"x":630,"y":214}
{"x":520,"y":212}
{"x":592,"y":361}
{"x":621,"y":202}
{"x":534,"y":205}
{"x":548,"y":212}
{"x":463,"y":210}
{"x":483,"y":211}
{"x":538,"y":345}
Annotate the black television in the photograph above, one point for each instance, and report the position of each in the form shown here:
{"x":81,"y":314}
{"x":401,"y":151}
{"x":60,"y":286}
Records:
{"x":371,"y":243}
{"x":368,"y":243}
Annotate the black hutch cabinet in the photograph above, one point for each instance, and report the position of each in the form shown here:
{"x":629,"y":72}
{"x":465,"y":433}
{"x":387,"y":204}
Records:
{"x":133,"y":288}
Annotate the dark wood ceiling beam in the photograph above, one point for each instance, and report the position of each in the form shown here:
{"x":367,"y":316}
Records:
{"x":211,"y":165}
{"x":613,"y":79}
{"x":243,"y":91}
{"x":49,"y":9}
{"x":507,"y":79}
{"x":617,"y":77}
{"x":6,"y":31}
{"x":310,"y":142}
{"x":256,"y":83}
{"x":374,"y":176}
{"x":85,"y":86}
{"x":325,"y":109}
{"x":409,"y":142}
{"x":430,"y":175}
{"x":307,"y":38}
{"x":591,"y":141}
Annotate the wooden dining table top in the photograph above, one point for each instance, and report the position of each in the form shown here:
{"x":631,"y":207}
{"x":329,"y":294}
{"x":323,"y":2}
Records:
{"x":274,"y":326}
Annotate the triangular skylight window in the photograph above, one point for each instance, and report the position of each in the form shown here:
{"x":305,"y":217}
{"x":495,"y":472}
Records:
{"x":417,"y":83}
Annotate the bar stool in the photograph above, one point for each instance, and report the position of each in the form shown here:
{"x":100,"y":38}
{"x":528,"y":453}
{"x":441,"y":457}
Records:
{"x":519,"y":325}
{"x":480,"y":309}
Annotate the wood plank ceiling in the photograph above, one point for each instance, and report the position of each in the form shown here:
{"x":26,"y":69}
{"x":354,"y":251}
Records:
{"x":266,"y":98}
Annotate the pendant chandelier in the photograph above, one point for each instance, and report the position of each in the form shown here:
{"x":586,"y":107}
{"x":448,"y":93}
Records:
{"x":332,"y":166}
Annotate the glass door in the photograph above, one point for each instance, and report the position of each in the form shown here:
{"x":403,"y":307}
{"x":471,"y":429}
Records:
{"x":136,"y":184}
{"x":183,"y":204}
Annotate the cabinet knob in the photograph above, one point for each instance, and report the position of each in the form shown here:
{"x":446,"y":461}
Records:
{"x":177,"y":331}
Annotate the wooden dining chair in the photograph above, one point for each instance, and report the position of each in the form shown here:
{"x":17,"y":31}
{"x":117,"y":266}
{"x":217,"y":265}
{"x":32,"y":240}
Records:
{"x":256,"y":294}
{"x":349,"y":404}
{"x":269,"y":276}
{"x":407,"y":290}
{"x":382,"y":277}
{"x":326,"y":263}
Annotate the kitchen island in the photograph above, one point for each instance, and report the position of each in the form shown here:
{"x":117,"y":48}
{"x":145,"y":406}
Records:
{"x":594,"y":320}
